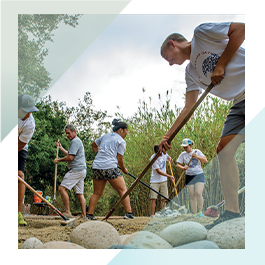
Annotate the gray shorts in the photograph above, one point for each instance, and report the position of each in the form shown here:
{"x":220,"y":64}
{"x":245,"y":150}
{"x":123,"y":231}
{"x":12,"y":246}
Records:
{"x":74,"y":179}
{"x":235,"y":120}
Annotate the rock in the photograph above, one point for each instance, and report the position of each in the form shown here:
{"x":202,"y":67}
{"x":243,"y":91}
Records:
{"x":122,"y":247}
{"x":148,"y":240}
{"x":95,"y":235}
{"x":60,"y":245}
{"x":123,"y":238}
{"x":229,"y":234}
{"x":203,"y":244}
{"x":183,"y":233}
{"x":32,"y":243}
{"x":129,"y":238}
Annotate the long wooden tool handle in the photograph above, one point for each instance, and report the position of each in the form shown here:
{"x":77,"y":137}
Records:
{"x":182,"y":174}
{"x":36,"y":193}
{"x":173,"y":179}
{"x":55,"y":173}
{"x":186,"y":118}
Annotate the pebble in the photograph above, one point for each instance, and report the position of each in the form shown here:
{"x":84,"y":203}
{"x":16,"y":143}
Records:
{"x":122,"y":247}
{"x":60,"y":245}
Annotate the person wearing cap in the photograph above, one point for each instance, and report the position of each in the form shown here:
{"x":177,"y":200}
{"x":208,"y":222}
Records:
{"x":76,"y":164}
{"x":194,"y":177}
{"x":158,"y":180}
{"x":26,"y":128}
{"x":109,"y":150}
{"x":214,"y":55}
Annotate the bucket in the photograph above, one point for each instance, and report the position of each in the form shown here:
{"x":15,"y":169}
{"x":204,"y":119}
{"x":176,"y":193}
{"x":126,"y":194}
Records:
{"x":36,"y":198}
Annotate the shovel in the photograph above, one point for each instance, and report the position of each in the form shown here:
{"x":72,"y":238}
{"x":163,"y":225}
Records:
{"x":55,"y":174}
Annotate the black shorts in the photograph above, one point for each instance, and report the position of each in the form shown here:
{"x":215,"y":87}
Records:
{"x":235,"y":120}
{"x":22,"y":157}
{"x":106,"y":174}
{"x":193,"y":179}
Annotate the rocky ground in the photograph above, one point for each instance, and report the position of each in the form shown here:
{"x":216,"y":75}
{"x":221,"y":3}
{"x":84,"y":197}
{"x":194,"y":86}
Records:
{"x":48,"y":228}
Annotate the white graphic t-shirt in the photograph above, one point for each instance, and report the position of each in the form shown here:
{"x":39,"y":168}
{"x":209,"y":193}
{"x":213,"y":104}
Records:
{"x":160,"y":163}
{"x":110,"y":145}
{"x":26,"y":129}
{"x":207,"y":45}
{"x":195,"y":164}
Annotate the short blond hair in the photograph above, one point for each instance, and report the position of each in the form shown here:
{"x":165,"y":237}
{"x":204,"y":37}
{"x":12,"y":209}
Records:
{"x":175,"y":37}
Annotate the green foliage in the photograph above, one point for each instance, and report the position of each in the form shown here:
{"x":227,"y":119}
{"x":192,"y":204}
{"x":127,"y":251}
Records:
{"x":33,"y":32}
{"x":50,"y":121}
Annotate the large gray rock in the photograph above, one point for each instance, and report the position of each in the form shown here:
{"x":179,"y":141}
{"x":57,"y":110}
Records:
{"x":148,"y":240}
{"x":129,"y":238}
{"x":123,"y":238}
{"x":122,"y":247}
{"x":60,"y":245}
{"x":229,"y":234}
{"x":184,"y":233}
{"x":32,"y":243}
{"x":203,"y":244}
{"x":95,"y":235}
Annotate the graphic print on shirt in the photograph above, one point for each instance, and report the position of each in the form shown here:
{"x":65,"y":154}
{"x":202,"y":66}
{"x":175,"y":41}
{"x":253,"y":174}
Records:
{"x":193,"y":163}
{"x":207,"y":61}
{"x":162,"y":164}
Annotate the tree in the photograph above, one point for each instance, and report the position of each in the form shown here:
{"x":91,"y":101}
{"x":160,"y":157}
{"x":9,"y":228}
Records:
{"x":33,"y":32}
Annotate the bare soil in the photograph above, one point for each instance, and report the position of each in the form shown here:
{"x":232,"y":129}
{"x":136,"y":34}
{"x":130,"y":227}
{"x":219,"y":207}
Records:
{"x":49,"y":228}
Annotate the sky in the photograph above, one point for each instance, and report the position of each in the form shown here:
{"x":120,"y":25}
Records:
{"x":124,"y":59}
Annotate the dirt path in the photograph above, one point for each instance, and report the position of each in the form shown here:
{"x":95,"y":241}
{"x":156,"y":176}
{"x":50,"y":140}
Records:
{"x":48,"y":228}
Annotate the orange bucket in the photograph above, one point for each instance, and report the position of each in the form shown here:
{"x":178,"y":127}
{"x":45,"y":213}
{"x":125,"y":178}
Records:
{"x":36,"y":198}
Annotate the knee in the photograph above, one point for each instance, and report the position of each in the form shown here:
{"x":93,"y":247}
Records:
{"x":198,"y":194}
{"x":61,"y":189}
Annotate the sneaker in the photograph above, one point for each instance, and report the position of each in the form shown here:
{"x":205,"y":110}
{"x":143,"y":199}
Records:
{"x":91,"y":217}
{"x":68,"y":215}
{"x":152,"y":216}
{"x":129,"y":216}
{"x":194,"y":215}
{"x":21,"y":220}
{"x":201,"y":214}
{"x":223,"y":217}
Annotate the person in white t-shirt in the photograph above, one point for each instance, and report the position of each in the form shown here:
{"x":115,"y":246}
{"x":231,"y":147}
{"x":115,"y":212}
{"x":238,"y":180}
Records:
{"x":109,"y":150}
{"x":216,"y":57}
{"x":159,"y":176}
{"x":26,"y":128}
{"x":194,"y":177}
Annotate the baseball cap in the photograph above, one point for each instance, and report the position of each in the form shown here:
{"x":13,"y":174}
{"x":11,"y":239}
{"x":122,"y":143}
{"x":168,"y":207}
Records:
{"x":26,"y":103}
{"x":186,"y":142}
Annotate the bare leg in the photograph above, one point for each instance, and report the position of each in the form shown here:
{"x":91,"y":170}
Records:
{"x":99,"y":186}
{"x":119,"y":185}
{"x":82,"y":202}
{"x":193,"y":201}
{"x":198,"y":194}
{"x":65,"y":198}
{"x":163,"y":203}
{"x":153,"y":206}
{"x":21,"y":191}
{"x":229,"y":175}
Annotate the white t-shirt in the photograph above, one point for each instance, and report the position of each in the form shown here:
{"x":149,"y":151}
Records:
{"x":195,"y":167}
{"x":26,"y":129}
{"x":160,"y":163}
{"x":207,"y":45}
{"x":110,"y":145}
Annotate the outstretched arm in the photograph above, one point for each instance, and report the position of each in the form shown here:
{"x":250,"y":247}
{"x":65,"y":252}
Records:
{"x":236,"y":36}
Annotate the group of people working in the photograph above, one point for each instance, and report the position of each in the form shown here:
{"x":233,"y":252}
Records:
{"x":215,"y":56}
